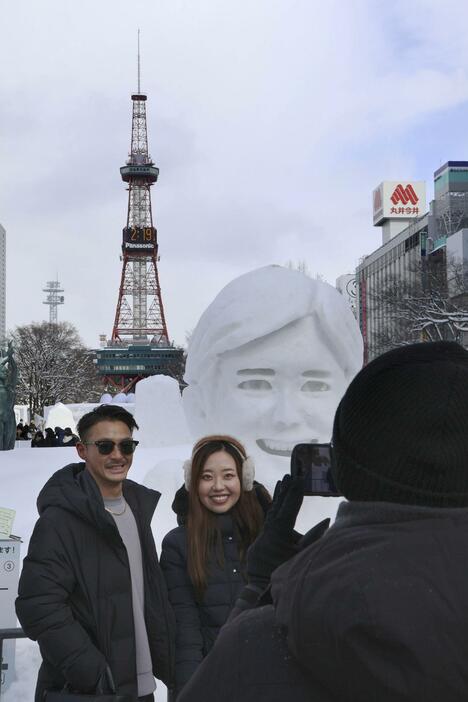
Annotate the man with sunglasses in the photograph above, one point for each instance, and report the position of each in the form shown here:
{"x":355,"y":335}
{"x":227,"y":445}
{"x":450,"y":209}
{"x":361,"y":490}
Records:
{"x":91,"y":591}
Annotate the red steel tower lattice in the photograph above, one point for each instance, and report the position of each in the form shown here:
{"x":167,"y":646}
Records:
{"x":139,"y":315}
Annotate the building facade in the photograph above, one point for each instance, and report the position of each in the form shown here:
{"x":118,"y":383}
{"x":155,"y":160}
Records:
{"x":450,"y":205}
{"x":417,"y":253}
{"x":395,"y":263}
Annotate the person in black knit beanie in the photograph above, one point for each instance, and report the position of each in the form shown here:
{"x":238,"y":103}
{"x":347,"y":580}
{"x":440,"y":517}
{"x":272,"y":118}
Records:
{"x":375,"y":607}
{"x":401,"y":430}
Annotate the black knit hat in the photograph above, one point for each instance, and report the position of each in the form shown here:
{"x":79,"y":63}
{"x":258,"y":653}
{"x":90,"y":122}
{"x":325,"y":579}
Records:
{"x":401,"y":429}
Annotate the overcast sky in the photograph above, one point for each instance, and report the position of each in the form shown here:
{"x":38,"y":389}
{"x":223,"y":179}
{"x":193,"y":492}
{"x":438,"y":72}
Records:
{"x":271,"y":122}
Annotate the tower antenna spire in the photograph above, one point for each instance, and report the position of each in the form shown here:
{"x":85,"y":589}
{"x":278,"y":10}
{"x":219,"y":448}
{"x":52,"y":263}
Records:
{"x":139,"y":60}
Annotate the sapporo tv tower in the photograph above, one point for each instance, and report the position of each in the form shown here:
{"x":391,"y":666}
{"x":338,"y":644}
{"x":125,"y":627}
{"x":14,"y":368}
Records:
{"x":139,"y":346}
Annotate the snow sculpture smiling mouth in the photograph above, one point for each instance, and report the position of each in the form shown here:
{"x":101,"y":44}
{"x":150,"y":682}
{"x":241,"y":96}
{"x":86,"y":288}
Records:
{"x":281,"y":448}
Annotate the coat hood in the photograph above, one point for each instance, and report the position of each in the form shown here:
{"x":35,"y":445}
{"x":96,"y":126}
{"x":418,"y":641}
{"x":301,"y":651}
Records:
{"x":74,"y":489}
{"x":382,"y":601}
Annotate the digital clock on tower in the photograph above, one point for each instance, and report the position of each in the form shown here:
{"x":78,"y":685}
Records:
{"x":139,"y":236}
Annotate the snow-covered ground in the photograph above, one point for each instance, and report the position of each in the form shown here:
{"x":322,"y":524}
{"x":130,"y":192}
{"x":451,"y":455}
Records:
{"x":24,"y":471}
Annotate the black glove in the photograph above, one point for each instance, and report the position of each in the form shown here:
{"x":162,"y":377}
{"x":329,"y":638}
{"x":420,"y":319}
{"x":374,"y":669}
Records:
{"x":313,"y":534}
{"x":277,"y":541}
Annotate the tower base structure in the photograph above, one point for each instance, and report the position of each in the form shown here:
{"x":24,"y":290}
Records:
{"x":121,"y":366}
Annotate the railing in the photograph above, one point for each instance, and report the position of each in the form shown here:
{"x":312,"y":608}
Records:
{"x":7,"y":634}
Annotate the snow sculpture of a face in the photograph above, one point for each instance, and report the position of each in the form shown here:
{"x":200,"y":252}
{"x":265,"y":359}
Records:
{"x":269,"y":362}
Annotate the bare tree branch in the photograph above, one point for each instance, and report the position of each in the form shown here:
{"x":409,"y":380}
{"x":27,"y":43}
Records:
{"x":53,"y":366}
{"x":421,"y":310}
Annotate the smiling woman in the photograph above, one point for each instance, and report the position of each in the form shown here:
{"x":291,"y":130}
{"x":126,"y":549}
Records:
{"x":219,"y":486}
{"x":220,"y":512}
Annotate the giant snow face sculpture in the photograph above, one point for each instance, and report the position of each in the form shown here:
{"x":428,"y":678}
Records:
{"x":269,"y":362}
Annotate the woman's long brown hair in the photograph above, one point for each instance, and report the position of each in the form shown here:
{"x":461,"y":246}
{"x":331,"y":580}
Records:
{"x":203,"y":535}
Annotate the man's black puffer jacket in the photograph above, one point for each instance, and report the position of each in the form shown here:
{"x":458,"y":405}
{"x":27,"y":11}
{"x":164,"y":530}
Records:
{"x":198,"y":624}
{"x":75,"y":595}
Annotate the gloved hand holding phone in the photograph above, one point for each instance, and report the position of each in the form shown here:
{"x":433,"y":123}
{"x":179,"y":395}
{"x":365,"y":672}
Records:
{"x":278,"y":541}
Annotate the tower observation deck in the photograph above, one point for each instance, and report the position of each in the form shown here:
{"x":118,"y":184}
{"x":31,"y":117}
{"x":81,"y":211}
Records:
{"x":140,"y":341}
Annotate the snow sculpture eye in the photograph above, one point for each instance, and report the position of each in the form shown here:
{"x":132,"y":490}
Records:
{"x":256,"y":384}
{"x":315,"y":386}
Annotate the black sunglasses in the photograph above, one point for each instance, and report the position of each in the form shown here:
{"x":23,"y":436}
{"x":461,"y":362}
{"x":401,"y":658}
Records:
{"x":106,"y":446}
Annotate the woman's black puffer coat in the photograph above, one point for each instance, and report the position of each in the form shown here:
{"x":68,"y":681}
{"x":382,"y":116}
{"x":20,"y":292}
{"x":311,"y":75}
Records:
{"x":198,"y":624}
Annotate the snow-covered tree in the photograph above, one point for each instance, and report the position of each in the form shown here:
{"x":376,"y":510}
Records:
{"x":53,"y":366}
{"x":423,"y":309}
{"x":302,"y":267}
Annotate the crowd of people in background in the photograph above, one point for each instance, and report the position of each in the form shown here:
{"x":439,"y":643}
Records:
{"x":47,"y":438}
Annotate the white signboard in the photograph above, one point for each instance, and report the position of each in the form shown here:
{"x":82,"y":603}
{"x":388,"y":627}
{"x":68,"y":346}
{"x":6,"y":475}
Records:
{"x":399,"y":199}
{"x":9,"y":571}
{"x":6,"y":521}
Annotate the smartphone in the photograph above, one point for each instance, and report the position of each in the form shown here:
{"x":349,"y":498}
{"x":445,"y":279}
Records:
{"x":313,"y":462}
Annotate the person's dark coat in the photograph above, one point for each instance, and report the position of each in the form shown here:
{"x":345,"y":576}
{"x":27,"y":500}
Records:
{"x":50,"y":439}
{"x":198,"y":623}
{"x":376,"y":610}
{"x":75,"y":595}
{"x":59,"y":434}
{"x":69,"y":441}
{"x":38,"y":440}
{"x":68,"y":438}
{"x":25,"y":433}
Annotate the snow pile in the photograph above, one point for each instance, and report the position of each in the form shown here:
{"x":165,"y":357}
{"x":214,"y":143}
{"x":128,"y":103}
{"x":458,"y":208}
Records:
{"x":78,"y":409}
{"x":59,"y":415}
{"x":27,"y":662}
{"x":159,"y":413}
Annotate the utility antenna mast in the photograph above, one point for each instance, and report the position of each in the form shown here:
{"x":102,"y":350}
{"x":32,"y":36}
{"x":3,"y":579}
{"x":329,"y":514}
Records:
{"x":53,"y":299}
{"x":139,"y":315}
{"x":139,"y":89}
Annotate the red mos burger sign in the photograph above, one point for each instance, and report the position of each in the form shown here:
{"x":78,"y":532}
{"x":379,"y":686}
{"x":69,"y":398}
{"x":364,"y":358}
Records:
{"x":399,"y":199}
